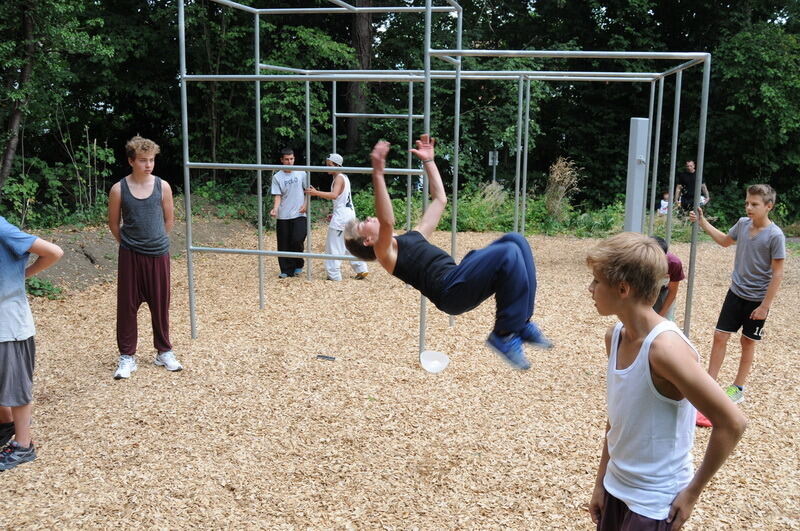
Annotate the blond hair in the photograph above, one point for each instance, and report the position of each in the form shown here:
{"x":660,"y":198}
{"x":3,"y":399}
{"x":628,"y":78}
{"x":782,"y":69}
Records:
{"x":632,"y":258}
{"x":138,"y":144}
{"x":354,"y":242}
{"x":766,"y":192}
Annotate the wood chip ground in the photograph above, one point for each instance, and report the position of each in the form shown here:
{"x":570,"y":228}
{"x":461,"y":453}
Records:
{"x":257,"y":432}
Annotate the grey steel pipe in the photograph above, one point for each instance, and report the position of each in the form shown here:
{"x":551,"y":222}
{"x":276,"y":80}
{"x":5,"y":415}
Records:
{"x":656,"y":149}
{"x":187,"y":189}
{"x":259,"y":183}
{"x":409,"y":157}
{"x":649,"y":158}
{"x":280,"y":254}
{"x":676,"y":116}
{"x":698,"y":181}
{"x":519,"y":155}
{"x":377,"y":115}
{"x":308,"y":160}
{"x":456,"y":149}
{"x":423,"y":307}
{"x":565,"y":54}
{"x":333,"y":116}
{"x":525,"y":154}
{"x":313,"y":169}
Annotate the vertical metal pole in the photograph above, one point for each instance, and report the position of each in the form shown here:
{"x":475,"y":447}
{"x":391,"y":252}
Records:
{"x":257,"y":41}
{"x":308,"y":175}
{"x":423,"y":307}
{"x":409,"y":156}
{"x":187,"y":191}
{"x":333,"y":117}
{"x":649,"y":158}
{"x":654,"y":165}
{"x":676,"y":116}
{"x":456,"y":151}
{"x":701,"y":152}
{"x":519,"y":154}
{"x":525,"y":154}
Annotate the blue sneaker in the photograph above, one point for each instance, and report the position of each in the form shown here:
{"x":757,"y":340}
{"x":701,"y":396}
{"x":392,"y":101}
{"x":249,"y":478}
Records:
{"x":510,"y":349}
{"x":283,"y":275}
{"x":298,"y":271}
{"x":531,"y":334}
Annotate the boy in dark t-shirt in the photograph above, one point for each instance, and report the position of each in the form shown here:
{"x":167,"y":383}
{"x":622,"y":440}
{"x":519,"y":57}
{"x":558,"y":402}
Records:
{"x":505,"y":268}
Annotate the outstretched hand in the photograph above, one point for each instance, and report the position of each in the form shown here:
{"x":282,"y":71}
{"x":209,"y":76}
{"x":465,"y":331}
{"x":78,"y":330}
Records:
{"x":379,"y":153}
{"x":424,"y":150}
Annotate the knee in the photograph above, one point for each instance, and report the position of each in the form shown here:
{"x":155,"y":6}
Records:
{"x":721,"y":337}
{"x":747,"y":342}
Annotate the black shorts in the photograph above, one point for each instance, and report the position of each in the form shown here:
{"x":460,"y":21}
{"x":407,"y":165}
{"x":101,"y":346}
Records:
{"x":735,"y":314}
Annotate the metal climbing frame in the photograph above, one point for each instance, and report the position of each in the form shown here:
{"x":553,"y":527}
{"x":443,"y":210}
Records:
{"x":425,"y":76}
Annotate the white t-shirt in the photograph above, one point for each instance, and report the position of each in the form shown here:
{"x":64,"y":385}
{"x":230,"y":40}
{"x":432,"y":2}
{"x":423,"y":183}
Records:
{"x":290,"y":186}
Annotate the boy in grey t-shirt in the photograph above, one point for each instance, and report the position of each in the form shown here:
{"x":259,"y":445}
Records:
{"x":288,"y":192}
{"x":757,"y":275}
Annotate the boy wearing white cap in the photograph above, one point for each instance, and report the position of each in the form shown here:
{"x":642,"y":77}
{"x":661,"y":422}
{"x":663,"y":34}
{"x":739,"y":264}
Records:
{"x":343,"y":212}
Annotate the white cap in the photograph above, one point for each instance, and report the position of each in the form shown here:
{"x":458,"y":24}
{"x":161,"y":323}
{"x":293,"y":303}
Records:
{"x":336,"y":159}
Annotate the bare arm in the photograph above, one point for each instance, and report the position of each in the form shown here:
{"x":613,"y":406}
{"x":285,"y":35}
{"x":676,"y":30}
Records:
{"x":276,"y":202}
{"x":383,"y":206}
{"x":674,"y":362}
{"x":430,"y":219}
{"x":598,"y":493}
{"x":704,"y":191}
{"x":336,"y":189}
{"x":168,"y":206}
{"x":716,"y":234}
{"x":672,"y":292}
{"x":777,"y":277}
{"x":114,"y":210}
{"x":47,"y":254}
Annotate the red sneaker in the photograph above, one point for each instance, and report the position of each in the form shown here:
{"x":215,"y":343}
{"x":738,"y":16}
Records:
{"x":702,"y":421}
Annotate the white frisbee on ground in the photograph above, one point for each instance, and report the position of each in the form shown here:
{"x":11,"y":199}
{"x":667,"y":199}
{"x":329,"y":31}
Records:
{"x":432,"y":361}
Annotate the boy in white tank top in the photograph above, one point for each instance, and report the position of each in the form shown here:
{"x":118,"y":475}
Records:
{"x":645,"y":478}
{"x":343,"y":212}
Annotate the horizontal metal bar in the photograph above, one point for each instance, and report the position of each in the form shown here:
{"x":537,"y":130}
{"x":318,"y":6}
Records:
{"x":265,"y":66}
{"x":483,"y":72}
{"x":290,"y":77}
{"x":411,"y":78}
{"x":368,"y":115}
{"x":681,"y":67}
{"x":235,"y":5}
{"x":566,"y":54}
{"x":280,"y":254}
{"x":340,"y":10}
{"x":313,"y":169}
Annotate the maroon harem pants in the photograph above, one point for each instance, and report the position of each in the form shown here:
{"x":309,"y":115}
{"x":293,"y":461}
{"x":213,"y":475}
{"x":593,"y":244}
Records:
{"x":142,"y":278}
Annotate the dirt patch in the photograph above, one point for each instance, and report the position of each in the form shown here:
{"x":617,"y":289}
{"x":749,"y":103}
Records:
{"x":90,"y":253}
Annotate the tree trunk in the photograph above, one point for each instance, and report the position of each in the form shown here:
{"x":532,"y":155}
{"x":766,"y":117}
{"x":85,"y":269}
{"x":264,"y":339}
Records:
{"x":15,"y":120}
{"x":357,"y":95}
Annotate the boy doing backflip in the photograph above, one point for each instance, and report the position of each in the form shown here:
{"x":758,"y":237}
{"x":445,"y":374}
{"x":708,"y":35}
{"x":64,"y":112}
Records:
{"x":504,"y":269}
{"x":17,"y":347}
{"x":143,"y":202}
{"x":757,"y":275}
{"x":645,"y":478}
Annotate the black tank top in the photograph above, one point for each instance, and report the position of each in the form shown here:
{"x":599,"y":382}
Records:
{"x":143,"y":228}
{"x":421,"y":264}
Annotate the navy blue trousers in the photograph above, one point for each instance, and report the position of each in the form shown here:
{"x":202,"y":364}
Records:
{"x":504,"y":269}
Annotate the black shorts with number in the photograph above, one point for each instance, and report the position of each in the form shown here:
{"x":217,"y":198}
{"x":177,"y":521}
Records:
{"x":735,"y":314}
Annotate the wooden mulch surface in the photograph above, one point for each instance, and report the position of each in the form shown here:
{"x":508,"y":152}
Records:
{"x":259,"y":432}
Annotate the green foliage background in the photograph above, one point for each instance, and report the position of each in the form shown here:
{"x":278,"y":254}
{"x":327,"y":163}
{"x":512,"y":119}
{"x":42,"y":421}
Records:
{"x":102,"y":71}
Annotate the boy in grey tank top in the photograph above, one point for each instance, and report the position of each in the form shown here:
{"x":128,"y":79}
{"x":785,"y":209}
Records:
{"x":143,"y":203}
{"x":757,"y":275}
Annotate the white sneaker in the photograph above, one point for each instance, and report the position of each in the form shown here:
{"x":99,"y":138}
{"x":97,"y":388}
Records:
{"x":127,"y":364}
{"x":168,"y":361}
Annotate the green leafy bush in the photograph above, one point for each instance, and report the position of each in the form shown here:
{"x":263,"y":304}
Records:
{"x":39,"y":287}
